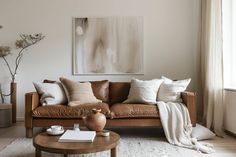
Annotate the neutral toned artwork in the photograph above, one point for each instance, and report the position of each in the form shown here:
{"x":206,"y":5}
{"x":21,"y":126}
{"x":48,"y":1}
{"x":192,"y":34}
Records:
{"x":112,"y":45}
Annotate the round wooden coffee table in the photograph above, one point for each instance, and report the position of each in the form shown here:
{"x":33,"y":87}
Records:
{"x":47,"y":143}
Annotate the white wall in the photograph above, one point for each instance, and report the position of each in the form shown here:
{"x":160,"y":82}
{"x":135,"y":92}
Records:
{"x":170,"y":37}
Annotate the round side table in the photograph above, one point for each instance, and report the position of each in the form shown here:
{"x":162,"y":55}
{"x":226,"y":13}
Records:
{"x":47,"y":143}
{"x":5,"y":115}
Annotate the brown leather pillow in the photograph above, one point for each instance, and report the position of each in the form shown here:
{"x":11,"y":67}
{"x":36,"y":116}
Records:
{"x":48,"y":81}
{"x":101,"y":90}
{"x":119,"y":91}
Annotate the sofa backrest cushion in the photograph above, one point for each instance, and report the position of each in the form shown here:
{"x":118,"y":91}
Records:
{"x":101,"y":90}
{"x":118,"y":92}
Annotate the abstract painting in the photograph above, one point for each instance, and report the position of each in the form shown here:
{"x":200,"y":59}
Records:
{"x":108,"y":45}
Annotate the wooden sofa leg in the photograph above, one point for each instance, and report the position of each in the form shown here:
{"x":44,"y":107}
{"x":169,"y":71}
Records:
{"x":29,"y":132}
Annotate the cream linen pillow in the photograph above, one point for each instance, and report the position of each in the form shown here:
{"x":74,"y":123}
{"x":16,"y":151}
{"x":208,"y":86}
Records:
{"x":51,"y":93}
{"x":202,"y":133}
{"x":143,"y":91}
{"x":171,"y":90}
{"x":78,"y":93}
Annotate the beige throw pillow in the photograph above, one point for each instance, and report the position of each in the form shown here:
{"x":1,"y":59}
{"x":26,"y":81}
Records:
{"x":143,"y":91}
{"x":50,"y":93}
{"x":170,"y":91}
{"x":78,"y":93}
{"x":202,"y":133}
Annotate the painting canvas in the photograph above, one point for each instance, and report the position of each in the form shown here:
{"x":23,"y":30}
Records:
{"x":108,"y":45}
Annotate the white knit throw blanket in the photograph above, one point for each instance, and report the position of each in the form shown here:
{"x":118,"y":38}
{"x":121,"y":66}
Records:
{"x":177,"y":126}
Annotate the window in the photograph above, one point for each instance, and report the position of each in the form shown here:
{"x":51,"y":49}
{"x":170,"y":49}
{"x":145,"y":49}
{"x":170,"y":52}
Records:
{"x":229,"y":42}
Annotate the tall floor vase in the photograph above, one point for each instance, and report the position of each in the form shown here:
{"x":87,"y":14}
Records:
{"x":13,"y":101}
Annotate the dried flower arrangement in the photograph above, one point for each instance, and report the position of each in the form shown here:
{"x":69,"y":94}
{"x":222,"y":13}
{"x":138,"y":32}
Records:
{"x":24,"y":42}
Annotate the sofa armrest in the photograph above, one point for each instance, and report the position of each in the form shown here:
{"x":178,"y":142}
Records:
{"x":189,"y":99}
{"x":31,"y":102}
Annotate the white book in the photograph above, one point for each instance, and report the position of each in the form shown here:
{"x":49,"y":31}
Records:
{"x":77,"y":136}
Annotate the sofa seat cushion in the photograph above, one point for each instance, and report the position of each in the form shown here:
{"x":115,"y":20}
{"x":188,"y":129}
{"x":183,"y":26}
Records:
{"x":63,"y":111}
{"x":134,"y":111}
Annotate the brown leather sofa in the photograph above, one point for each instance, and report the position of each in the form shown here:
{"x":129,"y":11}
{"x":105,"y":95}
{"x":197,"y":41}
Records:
{"x":118,"y":115}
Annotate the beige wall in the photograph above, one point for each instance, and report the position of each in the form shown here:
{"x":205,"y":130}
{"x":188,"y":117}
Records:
{"x":170,"y":37}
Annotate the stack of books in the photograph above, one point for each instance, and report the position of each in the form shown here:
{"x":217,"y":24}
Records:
{"x":77,"y":136}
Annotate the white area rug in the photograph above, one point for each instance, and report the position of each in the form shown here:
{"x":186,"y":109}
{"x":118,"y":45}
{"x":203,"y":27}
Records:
{"x":131,"y":147}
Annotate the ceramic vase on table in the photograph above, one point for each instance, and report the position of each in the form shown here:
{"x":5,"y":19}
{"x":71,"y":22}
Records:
{"x":95,"y":121}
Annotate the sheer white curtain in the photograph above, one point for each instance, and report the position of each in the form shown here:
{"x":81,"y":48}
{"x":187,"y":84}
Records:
{"x":212,"y":64}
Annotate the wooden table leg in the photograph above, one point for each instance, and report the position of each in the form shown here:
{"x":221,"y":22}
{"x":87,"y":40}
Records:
{"x":114,"y":152}
{"x":37,"y":153}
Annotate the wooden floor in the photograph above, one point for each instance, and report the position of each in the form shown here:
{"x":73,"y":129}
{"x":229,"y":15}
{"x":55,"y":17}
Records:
{"x":7,"y":135}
